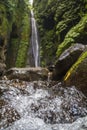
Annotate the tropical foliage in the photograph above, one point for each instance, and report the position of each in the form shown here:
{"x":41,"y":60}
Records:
{"x":16,"y":27}
{"x":57,"y":21}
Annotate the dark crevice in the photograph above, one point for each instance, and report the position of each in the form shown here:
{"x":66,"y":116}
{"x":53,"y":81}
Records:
{"x":14,"y":33}
{"x":1,"y":42}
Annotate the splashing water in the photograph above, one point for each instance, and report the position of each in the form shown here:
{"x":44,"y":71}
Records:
{"x":40,"y":106}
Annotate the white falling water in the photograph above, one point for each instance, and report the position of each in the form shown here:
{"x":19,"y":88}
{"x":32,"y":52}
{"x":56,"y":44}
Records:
{"x":34,"y":40}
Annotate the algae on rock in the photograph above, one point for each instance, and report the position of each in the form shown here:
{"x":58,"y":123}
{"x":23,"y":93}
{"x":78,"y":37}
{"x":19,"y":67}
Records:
{"x":24,"y":42}
{"x":77,"y":75}
{"x":56,"y":17}
{"x":76,"y":65}
{"x":19,"y":35}
{"x":77,"y":34}
{"x":5,"y":28}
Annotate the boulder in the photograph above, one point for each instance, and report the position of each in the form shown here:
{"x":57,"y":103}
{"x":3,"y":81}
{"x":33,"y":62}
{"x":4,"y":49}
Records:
{"x":28,"y":74}
{"x":77,"y":75}
{"x":66,"y":60}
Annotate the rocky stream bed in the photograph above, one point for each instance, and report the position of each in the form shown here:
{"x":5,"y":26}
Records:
{"x":41,"y":105}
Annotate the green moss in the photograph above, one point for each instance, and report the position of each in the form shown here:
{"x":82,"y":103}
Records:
{"x":23,"y":23}
{"x":15,"y":30}
{"x":58,"y":18}
{"x":48,"y":48}
{"x":24,"y":42}
{"x":12,"y":52}
{"x":75,"y":66}
{"x":25,"y":28}
{"x":73,"y":35}
{"x":4,"y":26}
{"x":22,"y":52}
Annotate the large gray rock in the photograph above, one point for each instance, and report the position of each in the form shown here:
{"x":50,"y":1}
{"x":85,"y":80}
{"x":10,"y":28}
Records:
{"x":66,"y":60}
{"x":77,"y":75}
{"x":28,"y":74}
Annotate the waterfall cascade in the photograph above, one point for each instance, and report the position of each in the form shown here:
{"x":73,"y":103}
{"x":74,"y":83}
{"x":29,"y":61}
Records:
{"x":33,"y":59}
{"x":34,"y":40}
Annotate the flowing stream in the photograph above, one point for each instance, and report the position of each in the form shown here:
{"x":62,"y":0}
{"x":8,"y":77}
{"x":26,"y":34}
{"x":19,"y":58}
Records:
{"x":41,"y":105}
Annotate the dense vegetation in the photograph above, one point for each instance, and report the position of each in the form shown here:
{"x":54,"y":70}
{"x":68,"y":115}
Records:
{"x":60,"y":23}
{"x":14,"y":31}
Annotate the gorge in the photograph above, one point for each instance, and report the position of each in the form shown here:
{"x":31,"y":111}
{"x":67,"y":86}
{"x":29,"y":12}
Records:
{"x":43,"y":81}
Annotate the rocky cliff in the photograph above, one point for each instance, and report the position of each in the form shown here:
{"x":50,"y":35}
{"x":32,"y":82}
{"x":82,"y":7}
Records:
{"x":61,"y":24}
{"x":14,"y":33}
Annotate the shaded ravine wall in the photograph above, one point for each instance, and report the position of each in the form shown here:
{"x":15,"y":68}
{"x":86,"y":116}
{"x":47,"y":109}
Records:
{"x":14,"y":32}
{"x":60,"y":25}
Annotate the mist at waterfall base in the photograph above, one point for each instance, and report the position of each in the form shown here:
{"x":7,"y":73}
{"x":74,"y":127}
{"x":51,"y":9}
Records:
{"x":33,"y":59}
{"x":40,"y":105}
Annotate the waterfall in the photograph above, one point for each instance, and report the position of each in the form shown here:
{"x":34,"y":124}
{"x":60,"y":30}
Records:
{"x":34,"y":40}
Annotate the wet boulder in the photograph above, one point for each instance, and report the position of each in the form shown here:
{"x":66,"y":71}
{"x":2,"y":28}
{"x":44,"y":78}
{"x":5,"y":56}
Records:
{"x":28,"y":74}
{"x":77,"y":75}
{"x":66,"y":60}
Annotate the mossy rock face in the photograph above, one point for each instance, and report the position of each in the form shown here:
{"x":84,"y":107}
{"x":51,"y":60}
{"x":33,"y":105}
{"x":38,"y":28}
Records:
{"x":4,"y":24}
{"x":14,"y":32}
{"x":76,"y":34}
{"x":5,"y":28}
{"x":77,"y":75}
{"x":4,"y":32}
{"x":12,"y":52}
{"x":19,"y":35}
{"x":23,"y":41}
{"x":55,"y":20}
